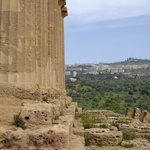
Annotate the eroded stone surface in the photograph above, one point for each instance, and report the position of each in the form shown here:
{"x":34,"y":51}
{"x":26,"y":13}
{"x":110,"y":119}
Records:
{"x":56,"y":137}
{"x":136,"y":113}
{"x":103,"y":136}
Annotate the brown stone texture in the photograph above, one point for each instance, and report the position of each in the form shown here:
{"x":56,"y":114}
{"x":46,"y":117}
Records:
{"x":103,"y":136}
{"x":32,"y":43}
{"x":136,"y":113}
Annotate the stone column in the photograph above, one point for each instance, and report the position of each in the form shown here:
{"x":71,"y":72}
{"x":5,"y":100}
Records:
{"x":38,"y":41}
{"x":64,"y":13}
{"x":9,"y":42}
{"x":21,"y":44}
{"x":33,"y":40}
{"x":28,"y":56}
{"x":4,"y":40}
{"x":51,"y":42}
{"x":60,"y":47}
{"x":32,"y":43}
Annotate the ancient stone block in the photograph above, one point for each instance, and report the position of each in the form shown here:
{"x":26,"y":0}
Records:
{"x":129,"y":112}
{"x":14,"y":140}
{"x":103,"y":136}
{"x":145,"y":117}
{"x":137,"y":113}
{"x":38,"y":113}
{"x":57,"y":137}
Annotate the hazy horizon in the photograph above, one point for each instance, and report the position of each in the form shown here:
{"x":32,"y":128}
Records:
{"x":107,"y":62}
{"x":104,"y":31}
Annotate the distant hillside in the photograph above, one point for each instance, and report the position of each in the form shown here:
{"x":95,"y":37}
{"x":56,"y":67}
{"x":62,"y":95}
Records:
{"x":131,"y":61}
{"x":131,"y":66}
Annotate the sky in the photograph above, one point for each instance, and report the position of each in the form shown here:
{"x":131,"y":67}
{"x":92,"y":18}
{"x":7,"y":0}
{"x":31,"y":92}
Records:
{"x":107,"y":30}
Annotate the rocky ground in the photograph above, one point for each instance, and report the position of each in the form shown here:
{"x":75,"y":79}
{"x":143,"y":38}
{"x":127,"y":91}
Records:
{"x":110,"y":132}
{"x":60,"y":125}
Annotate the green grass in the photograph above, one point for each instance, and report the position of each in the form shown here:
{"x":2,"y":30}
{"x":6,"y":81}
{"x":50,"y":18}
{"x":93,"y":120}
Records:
{"x":123,"y":121}
{"x":128,"y":135}
{"x":56,"y":117}
{"x":128,"y":145}
{"x":99,"y":144}
{"x":105,"y":126}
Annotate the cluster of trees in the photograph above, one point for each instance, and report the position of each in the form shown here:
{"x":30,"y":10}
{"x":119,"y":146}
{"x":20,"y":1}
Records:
{"x":106,"y":92}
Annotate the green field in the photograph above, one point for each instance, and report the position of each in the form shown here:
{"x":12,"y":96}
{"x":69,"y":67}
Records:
{"x":105,"y":92}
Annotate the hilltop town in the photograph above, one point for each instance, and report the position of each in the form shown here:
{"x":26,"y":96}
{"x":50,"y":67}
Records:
{"x":131,"y":66}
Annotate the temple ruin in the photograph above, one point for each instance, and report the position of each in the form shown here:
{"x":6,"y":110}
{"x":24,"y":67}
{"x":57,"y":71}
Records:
{"x":32,"y":43}
{"x":35,"y":112}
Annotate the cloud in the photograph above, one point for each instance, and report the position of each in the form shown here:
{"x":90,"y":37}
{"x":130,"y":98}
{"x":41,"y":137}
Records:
{"x":90,"y":11}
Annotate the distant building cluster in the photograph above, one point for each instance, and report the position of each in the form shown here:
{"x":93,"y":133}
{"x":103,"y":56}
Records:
{"x":112,"y":68}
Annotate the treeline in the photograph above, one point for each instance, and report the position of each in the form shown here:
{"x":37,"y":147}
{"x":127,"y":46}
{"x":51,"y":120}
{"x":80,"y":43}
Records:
{"x":110,"y":93}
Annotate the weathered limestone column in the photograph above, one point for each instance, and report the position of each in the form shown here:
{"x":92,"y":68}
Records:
{"x":28,"y":50}
{"x":64,"y":13}
{"x":4,"y":40}
{"x":9,"y":40}
{"x":21,"y":44}
{"x":33,"y":40}
{"x":51,"y":43}
{"x":32,"y":43}
{"x":46,"y":78}
{"x":38,"y":41}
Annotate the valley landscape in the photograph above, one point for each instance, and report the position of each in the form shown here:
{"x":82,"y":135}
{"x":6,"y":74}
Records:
{"x":111,"y":91}
{"x":115,"y":103}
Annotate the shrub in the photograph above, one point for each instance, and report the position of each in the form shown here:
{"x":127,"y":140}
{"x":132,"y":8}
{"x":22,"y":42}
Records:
{"x":104,"y":126}
{"x":56,"y":117}
{"x":128,"y":135}
{"x":18,"y":122}
{"x":45,"y":99}
{"x":87,"y":142}
{"x":128,"y":145}
{"x":123,"y":121}
{"x":88,"y":120}
{"x":99,"y":144}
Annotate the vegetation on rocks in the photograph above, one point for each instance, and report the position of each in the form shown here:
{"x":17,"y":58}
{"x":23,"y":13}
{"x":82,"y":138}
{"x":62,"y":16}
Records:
{"x":128,"y":145}
{"x":18,"y":122}
{"x":128,"y":135}
{"x":45,"y":99}
{"x":88,"y":120}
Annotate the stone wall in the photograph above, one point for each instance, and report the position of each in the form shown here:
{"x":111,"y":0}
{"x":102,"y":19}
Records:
{"x":32,"y":43}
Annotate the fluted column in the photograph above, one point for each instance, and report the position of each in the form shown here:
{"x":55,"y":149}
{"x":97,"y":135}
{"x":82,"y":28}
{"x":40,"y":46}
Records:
{"x":21,"y":44}
{"x":60,"y":57}
{"x":28,"y":50}
{"x":38,"y":41}
{"x":46,"y":77}
{"x":9,"y":41}
{"x":56,"y":44}
{"x":51,"y":43}
{"x":33,"y":40}
{"x":4,"y":41}
{"x":32,"y":43}
{"x":64,"y":13}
